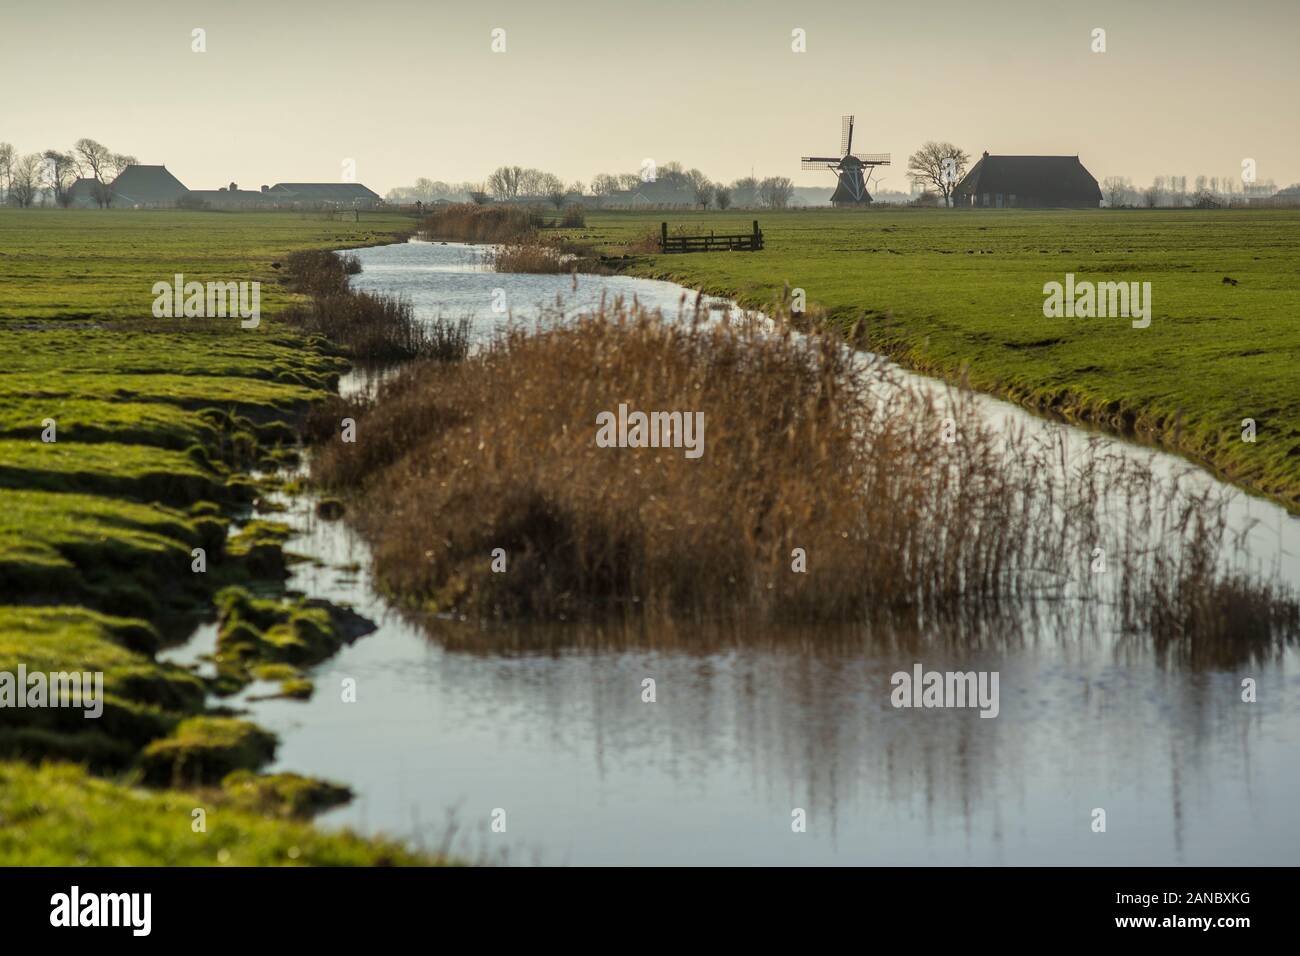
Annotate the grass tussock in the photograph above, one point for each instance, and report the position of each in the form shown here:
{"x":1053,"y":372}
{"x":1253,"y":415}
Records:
{"x":467,"y":222}
{"x":809,"y":459}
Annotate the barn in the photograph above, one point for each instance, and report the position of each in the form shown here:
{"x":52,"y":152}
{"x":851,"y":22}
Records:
{"x":350,"y":195}
{"x":144,"y":187}
{"x":1001,"y":182}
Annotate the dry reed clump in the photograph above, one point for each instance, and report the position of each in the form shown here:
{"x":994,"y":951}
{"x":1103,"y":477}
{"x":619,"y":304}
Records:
{"x":548,"y":256}
{"x":529,"y":255}
{"x":377,"y":328}
{"x":467,"y":222}
{"x":319,"y":272}
{"x":370,"y":327}
{"x":804,"y":448}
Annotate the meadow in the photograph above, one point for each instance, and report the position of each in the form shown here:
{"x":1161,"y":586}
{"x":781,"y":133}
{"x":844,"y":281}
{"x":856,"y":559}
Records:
{"x":156,"y":427}
{"x":959,"y":294}
{"x":161,"y":425}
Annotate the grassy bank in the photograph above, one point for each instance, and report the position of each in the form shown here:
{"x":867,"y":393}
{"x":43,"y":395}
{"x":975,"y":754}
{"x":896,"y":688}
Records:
{"x":953,"y":292}
{"x":126,"y":446}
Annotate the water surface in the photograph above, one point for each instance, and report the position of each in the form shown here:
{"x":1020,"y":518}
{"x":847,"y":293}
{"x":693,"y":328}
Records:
{"x":549,"y":724}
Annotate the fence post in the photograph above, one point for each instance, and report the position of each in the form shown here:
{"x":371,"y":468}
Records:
{"x":756,"y":234}
{"x":663,"y":237}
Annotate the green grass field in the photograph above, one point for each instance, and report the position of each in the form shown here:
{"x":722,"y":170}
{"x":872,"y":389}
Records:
{"x":156,"y":423}
{"x":85,"y":264}
{"x":952,"y":292}
{"x":159,"y":421}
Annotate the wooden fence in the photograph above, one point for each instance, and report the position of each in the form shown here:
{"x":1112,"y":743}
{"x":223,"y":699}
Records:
{"x":738,"y":242}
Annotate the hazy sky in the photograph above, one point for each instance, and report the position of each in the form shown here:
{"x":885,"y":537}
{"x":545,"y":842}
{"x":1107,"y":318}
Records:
{"x":289,"y":89}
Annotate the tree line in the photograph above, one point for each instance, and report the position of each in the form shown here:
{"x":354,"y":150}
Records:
{"x":671,"y":180}
{"x":24,"y":178}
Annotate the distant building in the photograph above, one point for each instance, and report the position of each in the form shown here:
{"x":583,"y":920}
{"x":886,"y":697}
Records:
{"x":84,"y":193}
{"x":146,"y":187}
{"x":654,"y":194}
{"x":225,"y":198}
{"x":1028,"y":181}
{"x":153,"y":187}
{"x":351,"y":195}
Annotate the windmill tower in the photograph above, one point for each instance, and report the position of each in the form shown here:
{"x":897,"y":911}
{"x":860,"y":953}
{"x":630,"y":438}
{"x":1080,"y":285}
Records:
{"x":849,"y":167}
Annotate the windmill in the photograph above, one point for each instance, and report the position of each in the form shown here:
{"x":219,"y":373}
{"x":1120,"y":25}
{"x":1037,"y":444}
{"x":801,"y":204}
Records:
{"x":848,"y":166}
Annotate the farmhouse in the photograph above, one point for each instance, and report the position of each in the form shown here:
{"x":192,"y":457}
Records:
{"x":1028,"y":181}
{"x":153,"y":187}
{"x":142,"y":187}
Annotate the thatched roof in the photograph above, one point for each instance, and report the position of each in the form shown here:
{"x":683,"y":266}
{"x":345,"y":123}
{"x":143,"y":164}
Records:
{"x":146,"y":185}
{"x":1045,"y":178}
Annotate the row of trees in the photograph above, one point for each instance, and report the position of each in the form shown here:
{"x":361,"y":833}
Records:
{"x":670,"y":183}
{"x":26,"y":177}
{"x":432,"y":190}
{"x":1172,"y":191}
{"x":693,"y":186}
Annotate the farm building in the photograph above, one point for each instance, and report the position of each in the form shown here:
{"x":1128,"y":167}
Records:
{"x":146,"y":186}
{"x":351,"y":195}
{"x":84,"y":193}
{"x":226,"y":198}
{"x":1028,"y":181}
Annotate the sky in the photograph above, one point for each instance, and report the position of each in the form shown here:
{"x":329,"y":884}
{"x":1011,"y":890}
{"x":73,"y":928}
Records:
{"x":290,"y":90}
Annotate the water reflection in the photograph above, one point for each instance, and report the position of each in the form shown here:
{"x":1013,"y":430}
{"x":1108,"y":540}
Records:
{"x":549,"y":722}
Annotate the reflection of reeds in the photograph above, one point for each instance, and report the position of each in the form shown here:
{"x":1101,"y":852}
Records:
{"x":804,"y":449}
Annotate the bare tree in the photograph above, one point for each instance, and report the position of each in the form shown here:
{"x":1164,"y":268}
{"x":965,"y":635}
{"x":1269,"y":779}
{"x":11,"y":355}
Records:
{"x":722,"y":196}
{"x":26,"y":179}
{"x":6,"y":171}
{"x":701,"y":188}
{"x":60,"y":173}
{"x":97,"y":159}
{"x":940,"y":165}
{"x":775,"y":192}
{"x":744,"y":191}
{"x":603,"y":184}
{"x":629,"y":181}
{"x":505,"y":182}
{"x":673,"y":175}
{"x":1115,"y":189}
{"x":1151,"y":195}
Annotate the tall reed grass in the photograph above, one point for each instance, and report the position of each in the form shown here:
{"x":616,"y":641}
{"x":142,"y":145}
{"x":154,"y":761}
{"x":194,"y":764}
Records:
{"x":467,"y":222}
{"x":370,"y":327}
{"x":805,"y":448}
